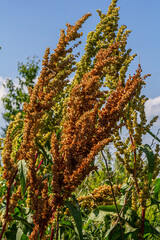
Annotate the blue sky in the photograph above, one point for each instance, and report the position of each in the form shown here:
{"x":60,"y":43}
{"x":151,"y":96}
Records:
{"x":28,"y":27}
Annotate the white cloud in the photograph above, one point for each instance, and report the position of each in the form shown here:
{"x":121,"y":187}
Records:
{"x":2,"y":90}
{"x":152,"y":107}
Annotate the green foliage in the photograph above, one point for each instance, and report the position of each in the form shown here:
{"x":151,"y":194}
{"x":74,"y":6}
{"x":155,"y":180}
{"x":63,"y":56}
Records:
{"x":102,"y":223}
{"x":22,"y":226}
{"x":151,"y":161}
{"x":17,"y":95}
{"x":76,"y":213}
{"x":22,"y":170}
{"x":157,"y":188}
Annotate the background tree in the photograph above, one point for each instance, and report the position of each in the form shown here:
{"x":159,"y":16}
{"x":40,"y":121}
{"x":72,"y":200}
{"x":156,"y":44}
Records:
{"x":17,"y":94}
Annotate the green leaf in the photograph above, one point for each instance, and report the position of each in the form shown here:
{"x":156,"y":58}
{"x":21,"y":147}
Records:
{"x":46,"y":153}
{"x":148,"y":228}
{"x":113,"y":233}
{"x":20,"y":235}
{"x":153,"y":135}
{"x":22,"y":170}
{"x":155,"y":202}
{"x":129,"y":229}
{"x":11,"y":233}
{"x":157,"y":188}
{"x":151,"y":161}
{"x":101,"y":212}
{"x":28,"y":225}
{"x":97,"y":216}
{"x":76,"y":202}
{"x":58,"y":133}
{"x":131,"y":217}
{"x":75,"y":211}
{"x":110,"y":208}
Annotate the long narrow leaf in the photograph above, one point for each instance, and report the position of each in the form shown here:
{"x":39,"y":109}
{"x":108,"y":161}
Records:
{"x":16,"y":128}
{"x":151,"y":161}
{"x":45,"y":152}
{"x":77,"y":217}
{"x":153,"y":135}
{"x":110,"y":208}
{"x":22,"y":170}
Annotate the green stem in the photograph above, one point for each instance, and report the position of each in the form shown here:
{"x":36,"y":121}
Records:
{"x":113,"y":195}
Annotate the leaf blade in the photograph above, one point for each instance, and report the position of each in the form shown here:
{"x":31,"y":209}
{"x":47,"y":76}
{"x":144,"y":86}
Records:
{"x":77,"y":217}
{"x":151,"y":161}
{"x":22,"y":170}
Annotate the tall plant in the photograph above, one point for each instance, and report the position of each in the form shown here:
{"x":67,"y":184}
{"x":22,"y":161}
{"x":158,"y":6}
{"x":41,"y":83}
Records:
{"x":49,"y":152}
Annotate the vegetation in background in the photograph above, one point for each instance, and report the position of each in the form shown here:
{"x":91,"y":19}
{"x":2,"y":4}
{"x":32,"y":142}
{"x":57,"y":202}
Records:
{"x":17,"y":95}
{"x":57,"y":180}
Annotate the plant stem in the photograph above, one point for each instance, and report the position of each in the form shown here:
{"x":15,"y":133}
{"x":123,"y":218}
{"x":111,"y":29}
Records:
{"x":7,"y":206}
{"x":142,"y":222}
{"x":52,"y":233}
{"x":125,"y":201}
{"x":39,"y":165}
{"x":52,"y":230}
{"x":3,"y":229}
{"x":113,"y":195}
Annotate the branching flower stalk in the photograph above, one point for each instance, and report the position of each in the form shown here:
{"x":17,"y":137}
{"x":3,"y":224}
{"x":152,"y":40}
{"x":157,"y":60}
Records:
{"x":138,"y":191}
{"x":135,"y":171}
{"x":129,"y":152}
{"x":10,"y":172}
{"x":40,"y":101}
{"x":91,"y":117}
{"x":83,"y":136}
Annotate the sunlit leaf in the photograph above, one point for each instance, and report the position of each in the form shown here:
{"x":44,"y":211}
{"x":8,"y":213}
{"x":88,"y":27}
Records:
{"x":46,"y":153}
{"x":157,"y":188}
{"x":75,"y":211}
{"x":22,"y":170}
{"x":101,"y":212}
{"x":20,"y":235}
{"x":131,"y":217}
{"x":28,"y":225}
{"x":148,"y":228}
